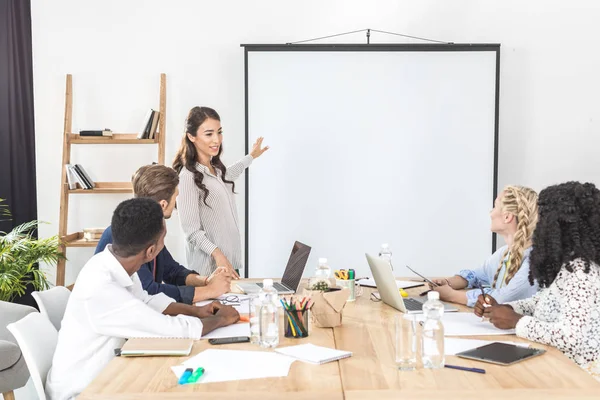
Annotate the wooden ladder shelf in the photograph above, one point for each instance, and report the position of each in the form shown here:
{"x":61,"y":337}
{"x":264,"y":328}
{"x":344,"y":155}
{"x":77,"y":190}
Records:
{"x":76,"y":239}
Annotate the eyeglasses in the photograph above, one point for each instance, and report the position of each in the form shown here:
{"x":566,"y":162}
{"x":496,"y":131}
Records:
{"x":233,"y":300}
{"x":375,"y":297}
{"x":230,"y":300}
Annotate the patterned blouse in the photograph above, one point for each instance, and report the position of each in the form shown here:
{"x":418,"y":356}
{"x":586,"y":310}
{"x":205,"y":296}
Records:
{"x":566,"y":315}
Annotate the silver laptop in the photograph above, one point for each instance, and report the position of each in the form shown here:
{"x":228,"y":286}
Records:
{"x":386,"y":284}
{"x":292,"y":275}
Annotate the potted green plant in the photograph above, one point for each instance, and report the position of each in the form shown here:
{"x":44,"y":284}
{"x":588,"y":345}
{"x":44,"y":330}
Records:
{"x":20,"y":254}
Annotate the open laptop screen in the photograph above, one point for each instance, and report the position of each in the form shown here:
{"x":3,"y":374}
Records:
{"x":295,"y":266}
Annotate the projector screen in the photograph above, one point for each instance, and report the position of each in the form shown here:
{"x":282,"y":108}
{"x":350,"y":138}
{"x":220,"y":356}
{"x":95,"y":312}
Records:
{"x":372,"y":144}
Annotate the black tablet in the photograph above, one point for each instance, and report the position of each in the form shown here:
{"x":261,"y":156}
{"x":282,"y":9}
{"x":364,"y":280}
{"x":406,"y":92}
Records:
{"x":501,"y":353}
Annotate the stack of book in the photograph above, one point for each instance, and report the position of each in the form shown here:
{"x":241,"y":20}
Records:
{"x":106,"y":133}
{"x":150,"y":126}
{"x":77,"y":175}
{"x":92,"y":233}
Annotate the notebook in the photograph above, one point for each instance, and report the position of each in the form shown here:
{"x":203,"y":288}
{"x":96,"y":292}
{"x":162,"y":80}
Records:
{"x":314,"y":354}
{"x":140,"y":347}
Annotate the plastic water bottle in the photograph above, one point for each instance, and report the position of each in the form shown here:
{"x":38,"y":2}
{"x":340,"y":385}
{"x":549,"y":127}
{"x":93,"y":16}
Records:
{"x":269,"y":316}
{"x":255,"y":305}
{"x":386,"y":254}
{"x":323,"y":271}
{"x":433,"y":332}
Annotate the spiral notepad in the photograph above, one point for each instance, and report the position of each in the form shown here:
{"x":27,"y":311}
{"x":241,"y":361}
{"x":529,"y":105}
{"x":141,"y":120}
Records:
{"x":140,"y":347}
{"x":314,"y":354}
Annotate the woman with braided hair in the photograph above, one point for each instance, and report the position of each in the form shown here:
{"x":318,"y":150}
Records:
{"x":506,"y":272}
{"x":565,"y":262}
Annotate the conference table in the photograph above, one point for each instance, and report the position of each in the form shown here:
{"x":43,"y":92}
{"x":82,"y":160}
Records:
{"x":368,"y":332}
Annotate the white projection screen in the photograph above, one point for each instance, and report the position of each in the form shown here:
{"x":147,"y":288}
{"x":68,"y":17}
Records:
{"x":372,"y":144}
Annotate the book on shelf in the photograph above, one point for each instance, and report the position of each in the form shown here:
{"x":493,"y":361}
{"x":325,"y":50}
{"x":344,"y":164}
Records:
{"x":77,"y":175}
{"x":71,"y":177}
{"x":154,"y":127}
{"x":146,"y":119}
{"x":92,"y":233}
{"x":75,"y":178}
{"x":85,"y":176}
{"x":106,"y":133}
{"x":148,"y":130}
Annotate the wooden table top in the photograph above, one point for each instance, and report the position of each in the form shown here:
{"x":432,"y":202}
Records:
{"x":367,"y":331}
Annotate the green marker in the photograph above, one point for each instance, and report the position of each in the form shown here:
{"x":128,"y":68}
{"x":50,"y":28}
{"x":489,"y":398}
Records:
{"x":196,"y":375}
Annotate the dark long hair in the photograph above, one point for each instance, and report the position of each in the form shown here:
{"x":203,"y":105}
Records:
{"x":187,"y":156}
{"x":568,"y":228}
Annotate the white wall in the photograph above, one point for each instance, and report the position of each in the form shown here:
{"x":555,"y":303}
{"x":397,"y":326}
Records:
{"x":116,"y":50}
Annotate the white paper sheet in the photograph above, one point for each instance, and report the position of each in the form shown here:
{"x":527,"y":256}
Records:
{"x":233,"y":365}
{"x":466,"y":324}
{"x":454,"y":345}
{"x":242,"y":308}
{"x":312,"y":354}
{"x":370,"y":282}
{"x":241,"y":329}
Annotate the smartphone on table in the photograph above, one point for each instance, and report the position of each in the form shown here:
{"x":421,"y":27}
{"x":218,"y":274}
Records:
{"x":229,"y":340}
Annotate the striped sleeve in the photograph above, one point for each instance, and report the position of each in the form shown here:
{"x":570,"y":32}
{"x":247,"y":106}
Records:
{"x":234,"y":171}
{"x":189,"y":213}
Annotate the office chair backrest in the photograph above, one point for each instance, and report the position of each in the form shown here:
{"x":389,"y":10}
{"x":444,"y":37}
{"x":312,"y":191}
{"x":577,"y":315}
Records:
{"x":53,"y":303}
{"x":37,"y":338}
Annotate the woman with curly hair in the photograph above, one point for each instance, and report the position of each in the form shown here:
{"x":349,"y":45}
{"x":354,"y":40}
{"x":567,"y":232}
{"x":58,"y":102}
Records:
{"x":506,"y":271}
{"x":206,"y":202}
{"x":565,"y":262}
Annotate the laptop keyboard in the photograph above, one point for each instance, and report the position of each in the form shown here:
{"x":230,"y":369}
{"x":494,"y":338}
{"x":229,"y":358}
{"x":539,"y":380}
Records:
{"x":413,"y":304}
{"x":278,"y":286}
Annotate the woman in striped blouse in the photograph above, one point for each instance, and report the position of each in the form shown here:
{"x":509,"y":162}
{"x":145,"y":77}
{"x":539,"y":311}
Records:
{"x":206,"y":201}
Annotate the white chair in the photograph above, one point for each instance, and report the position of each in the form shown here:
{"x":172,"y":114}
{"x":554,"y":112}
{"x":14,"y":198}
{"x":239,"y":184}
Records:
{"x":53,"y":303}
{"x":37,"y":339}
{"x":13,"y":370}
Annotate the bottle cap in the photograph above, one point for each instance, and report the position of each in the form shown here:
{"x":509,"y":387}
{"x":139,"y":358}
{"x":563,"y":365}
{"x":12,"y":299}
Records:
{"x":268,"y":283}
{"x":433,"y":295}
{"x":322,"y":261}
{"x":385,"y":246}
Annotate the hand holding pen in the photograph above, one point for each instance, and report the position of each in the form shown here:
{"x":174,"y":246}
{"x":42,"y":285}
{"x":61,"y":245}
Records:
{"x":484,"y":301}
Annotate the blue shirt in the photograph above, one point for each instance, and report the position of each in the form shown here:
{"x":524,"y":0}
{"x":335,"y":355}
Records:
{"x":518,"y":288}
{"x":167,"y":270}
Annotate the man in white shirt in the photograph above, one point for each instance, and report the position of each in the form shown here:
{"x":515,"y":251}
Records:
{"x":108,"y":304}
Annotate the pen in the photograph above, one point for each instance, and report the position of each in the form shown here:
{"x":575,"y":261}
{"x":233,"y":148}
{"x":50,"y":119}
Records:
{"x":432,"y":283}
{"x":482,"y":292}
{"x":484,"y":300}
{"x":478,"y":370}
{"x":196,"y":375}
{"x":424,"y":293}
{"x":185,"y":376}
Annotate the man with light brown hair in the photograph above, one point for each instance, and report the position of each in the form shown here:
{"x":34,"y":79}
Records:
{"x":164,"y":274}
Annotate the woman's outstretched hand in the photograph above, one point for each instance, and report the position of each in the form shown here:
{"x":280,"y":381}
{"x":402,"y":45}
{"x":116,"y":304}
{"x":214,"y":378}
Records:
{"x":257,"y":149}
